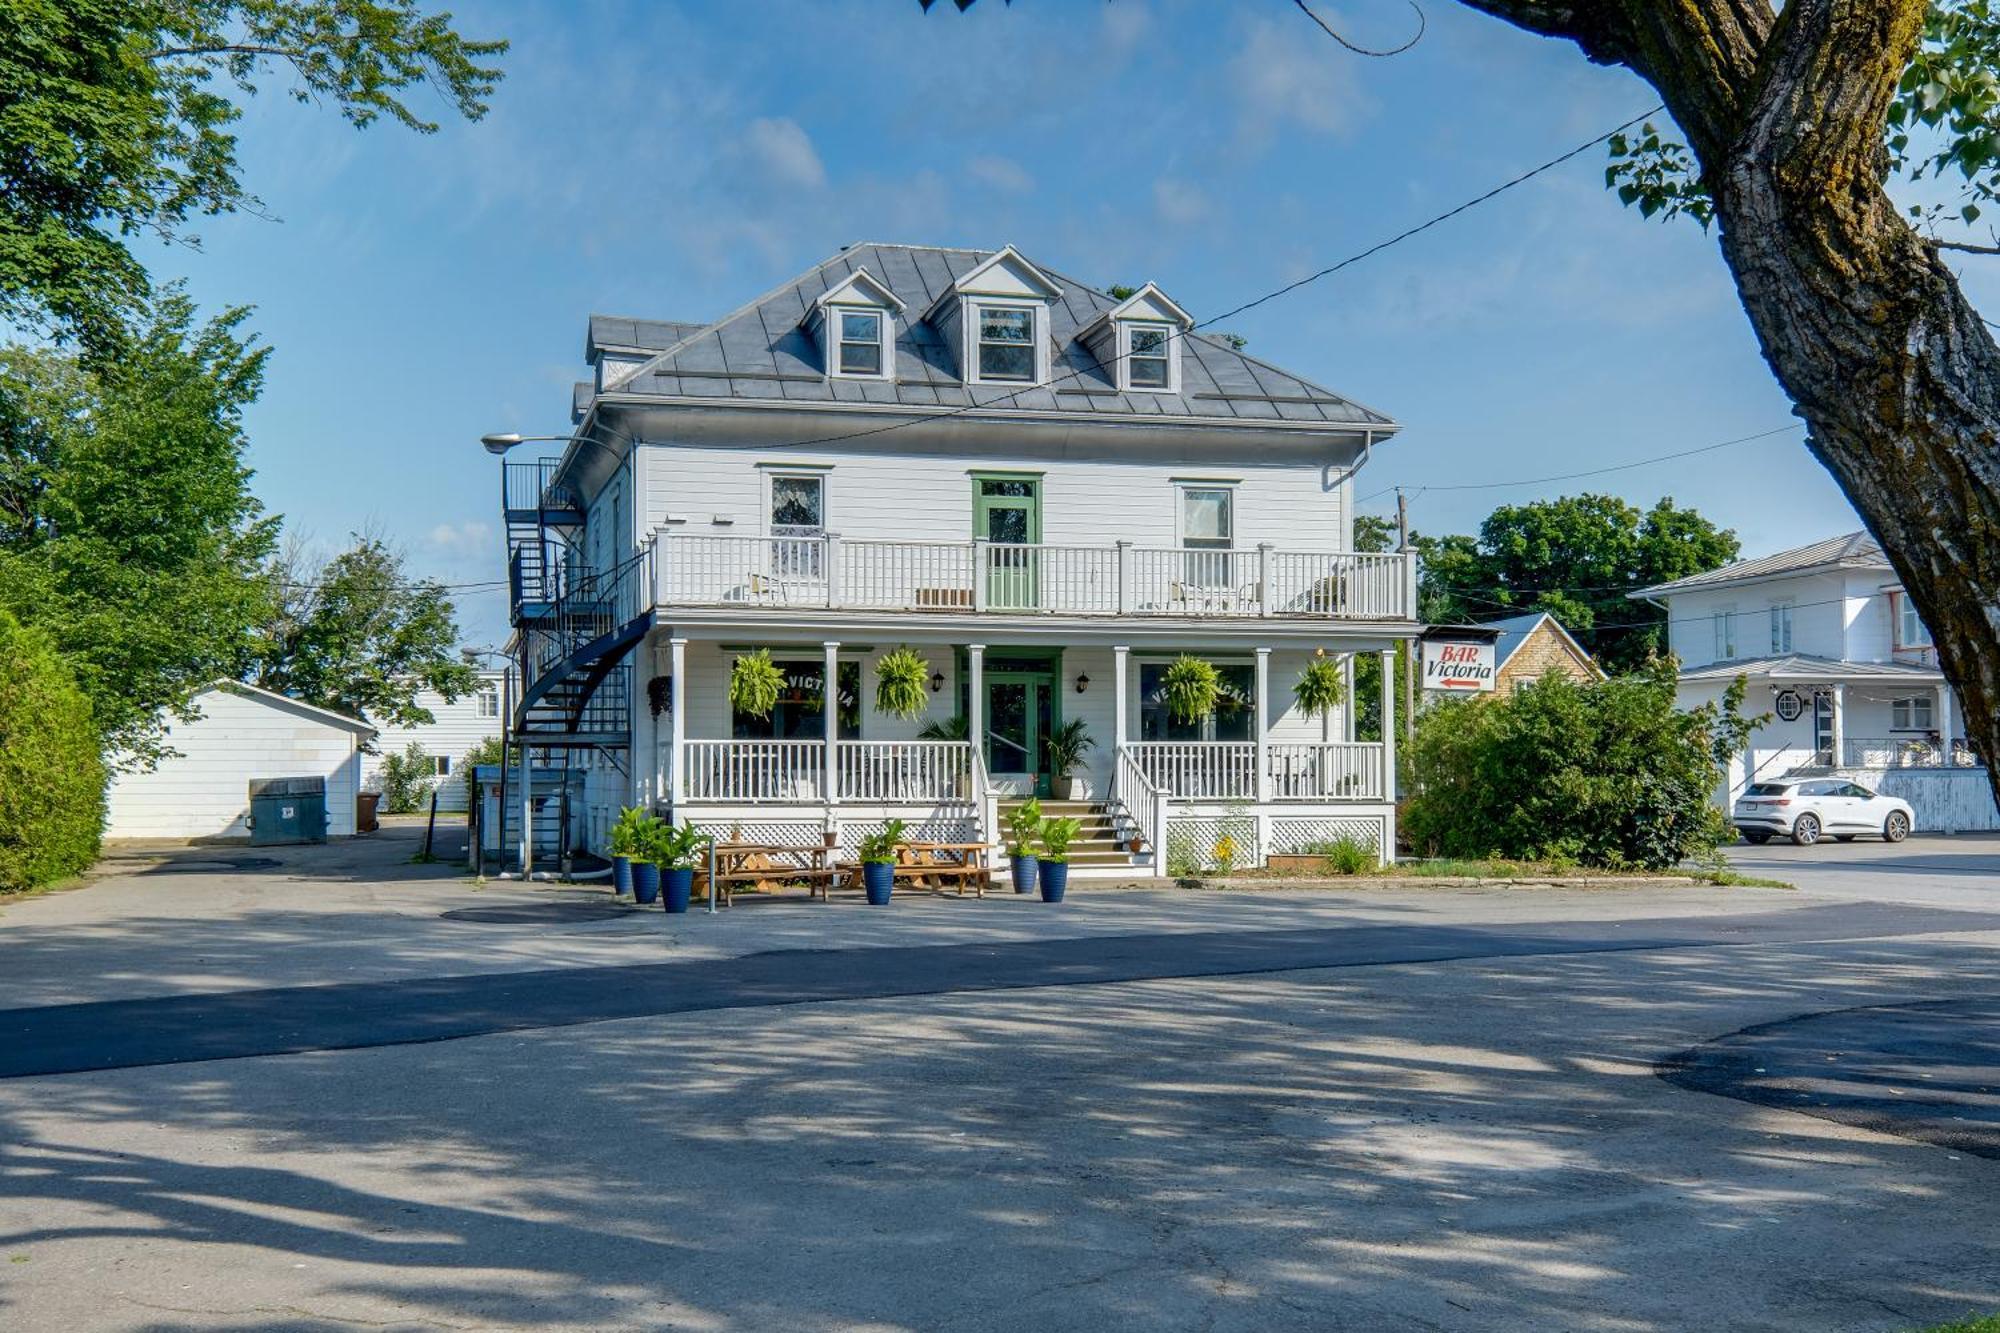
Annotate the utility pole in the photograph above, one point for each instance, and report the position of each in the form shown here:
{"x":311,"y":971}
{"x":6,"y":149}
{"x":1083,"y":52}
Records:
{"x":1408,"y":653}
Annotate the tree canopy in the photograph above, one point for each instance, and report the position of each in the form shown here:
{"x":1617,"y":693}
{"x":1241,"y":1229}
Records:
{"x":356,"y":634}
{"x":116,"y":116}
{"x":1575,"y":557}
{"x":128,"y":533}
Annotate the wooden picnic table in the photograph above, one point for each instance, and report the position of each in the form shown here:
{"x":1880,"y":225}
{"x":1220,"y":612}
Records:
{"x":768,"y":864}
{"x":928,"y":865}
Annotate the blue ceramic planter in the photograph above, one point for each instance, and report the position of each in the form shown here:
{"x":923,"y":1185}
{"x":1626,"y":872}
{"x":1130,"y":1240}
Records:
{"x":879,"y":879}
{"x":1054,"y":879}
{"x":645,"y":882}
{"x":676,"y":888}
{"x":1024,"y":872}
{"x":621,"y":876}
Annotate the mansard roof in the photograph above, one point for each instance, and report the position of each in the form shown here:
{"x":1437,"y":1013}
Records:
{"x":763,"y":352}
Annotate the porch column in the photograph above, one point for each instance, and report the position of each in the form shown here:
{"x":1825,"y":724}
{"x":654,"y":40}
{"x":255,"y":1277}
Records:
{"x":1263,"y":733}
{"x":1839,"y":740}
{"x":829,"y":706}
{"x":1389,"y":725}
{"x":1944,"y":723}
{"x":1120,"y":656}
{"x":677,"y":730}
{"x":975,"y":696}
{"x":1347,"y":692}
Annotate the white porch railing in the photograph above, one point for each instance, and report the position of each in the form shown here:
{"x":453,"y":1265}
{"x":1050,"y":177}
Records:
{"x":702,"y":569}
{"x":930,"y":771}
{"x":1199,"y":770}
{"x":1326,"y":771}
{"x":737,"y":770}
{"x":1906,"y":752}
{"x":1144,"y":802}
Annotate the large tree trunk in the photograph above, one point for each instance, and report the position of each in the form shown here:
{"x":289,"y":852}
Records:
{"x":1887,"y":362}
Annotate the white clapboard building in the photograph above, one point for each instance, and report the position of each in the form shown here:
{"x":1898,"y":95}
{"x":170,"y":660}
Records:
{"x":456,"y":726}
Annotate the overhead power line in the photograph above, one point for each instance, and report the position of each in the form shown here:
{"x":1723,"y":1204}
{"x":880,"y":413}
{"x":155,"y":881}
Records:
{"x":1596,"y":471}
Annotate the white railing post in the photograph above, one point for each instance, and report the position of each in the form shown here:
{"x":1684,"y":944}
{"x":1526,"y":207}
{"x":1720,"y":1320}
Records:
{"x":1263,"y":719}
{"x":1160,"y":833}
{"x":1263,"y":580}
{"x":975,"y":696}
{"x":830,"y":553}
{"x":1389,"y":725}
{"x":829,"y":702}
{"x":981,"y":559}
{"x":1124,"y":577}
{"x":677,"y":731}
{"x":1409,"y":585}
{"x":1121,"y":657}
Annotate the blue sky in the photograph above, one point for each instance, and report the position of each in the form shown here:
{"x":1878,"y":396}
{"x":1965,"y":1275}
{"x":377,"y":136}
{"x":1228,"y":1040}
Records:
{"x":673,"y":160}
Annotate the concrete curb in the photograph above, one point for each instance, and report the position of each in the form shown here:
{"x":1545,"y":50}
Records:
{"x":1399,"y":882}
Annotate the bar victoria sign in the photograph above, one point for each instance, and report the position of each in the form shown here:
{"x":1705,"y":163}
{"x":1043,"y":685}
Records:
{"x":1456,"y":666}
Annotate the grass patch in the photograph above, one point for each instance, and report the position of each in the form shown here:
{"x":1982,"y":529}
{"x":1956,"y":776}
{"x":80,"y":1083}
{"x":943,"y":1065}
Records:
{"x":1977,"y":1324}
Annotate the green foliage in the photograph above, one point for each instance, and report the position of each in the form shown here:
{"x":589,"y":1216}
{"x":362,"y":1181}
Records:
{"x":1024,"y":825}
{"x":1345,"y":855}
{"x":671,"y":846}
{"x":1575,"y":557}
{"x":116,"y":119}
{"x":407,"y":780}
{"x":902,"y":683}
{"x":127,"y":529}
{"x":356,"y":634}
{"x":1067,"y":746}
{"x":879,"y":848}
{"x":1372,"y":532}
{"x":1604,"y":774}
{"x":488,"y":751}
{"x":51,"y":778}
{"x":629,"y":833}
{"x":1190,"y":688}
{"x":1319,"y":688}
{"x":947,"y":729}
{"x":755,"y":682}
{"x":1055,"y":836}
{"x":1943,"y":123}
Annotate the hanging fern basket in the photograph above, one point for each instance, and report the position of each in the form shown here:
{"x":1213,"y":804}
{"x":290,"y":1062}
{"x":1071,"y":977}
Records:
{"x":1319,"y":689}
{"x":901,"y":684}
{"x":1190,"y":688}
{"x":756,"y":683}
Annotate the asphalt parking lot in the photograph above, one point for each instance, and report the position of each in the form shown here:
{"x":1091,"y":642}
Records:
{"x":1934,"y":869}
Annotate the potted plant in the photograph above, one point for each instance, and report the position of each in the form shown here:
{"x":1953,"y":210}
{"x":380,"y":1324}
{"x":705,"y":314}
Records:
{"x":1319,"y":690}
{"x":878,"y":862}
{"x":646,"y":862}
{"x":1189,"y":688}
{"x":679,"y":852}
{"x":756,"y":683}
{"x":1067,"y":747}
{"x":1056,"y":836}
{"x":625,"y":843}
{"x":1024,"y":825}
{"x":950,"y":729}
{"x":902,"y":683}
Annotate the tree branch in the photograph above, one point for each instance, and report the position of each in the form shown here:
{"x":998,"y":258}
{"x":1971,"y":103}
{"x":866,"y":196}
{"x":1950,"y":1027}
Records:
{"x":225,"y":48}
{"x":1967,"y":247}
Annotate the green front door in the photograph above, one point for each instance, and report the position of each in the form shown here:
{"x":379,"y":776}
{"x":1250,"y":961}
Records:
{"x":1020,"y":714}
{"x":1008,"y":511}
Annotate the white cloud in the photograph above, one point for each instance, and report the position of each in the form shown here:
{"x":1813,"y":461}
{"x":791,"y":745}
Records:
{"x":1282,"y":76}
{"x":1179,"y":202}
{"x":1002,"y":173}
{"x":471,"y":535}
{"x":782,"y":151}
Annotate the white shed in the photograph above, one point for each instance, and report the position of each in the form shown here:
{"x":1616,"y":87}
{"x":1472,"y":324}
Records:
{"x":243,"y":734}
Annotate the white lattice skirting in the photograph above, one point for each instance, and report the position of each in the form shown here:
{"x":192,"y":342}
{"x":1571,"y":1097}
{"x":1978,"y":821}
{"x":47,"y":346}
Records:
{"x":809,"y":833}
{"x":1295,"y":835}
{"x":1204,"y":844}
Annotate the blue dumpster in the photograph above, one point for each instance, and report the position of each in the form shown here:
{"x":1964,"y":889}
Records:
{"x":287,"y":810}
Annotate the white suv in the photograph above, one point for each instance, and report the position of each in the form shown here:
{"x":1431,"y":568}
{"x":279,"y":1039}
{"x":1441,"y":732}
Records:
{"x":1806,"y":809}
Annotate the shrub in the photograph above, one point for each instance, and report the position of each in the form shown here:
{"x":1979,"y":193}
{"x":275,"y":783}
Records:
{"x":51,"y":772}
{"x":1606,"y":773}
{"x":407,"y":779}
{"x":487,"y":751}
{"x":1345,"y":855}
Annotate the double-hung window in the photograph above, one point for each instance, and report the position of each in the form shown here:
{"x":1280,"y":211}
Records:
{"x":1912,"y":714}
{"x":860,"y":350}
{"x":1006,"y":343}
{"x":1781,"y":627}
{"x":798,"y":520}
{"x":1148,"y":348}
{"x":487,"y":702}
{"x":1208,"y":534}
{"x":1725,"y":634}
{"x":1910,"y":629}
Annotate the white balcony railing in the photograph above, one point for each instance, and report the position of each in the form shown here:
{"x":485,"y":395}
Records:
{"x":704,"y":570}
{"x":1906,"y":752}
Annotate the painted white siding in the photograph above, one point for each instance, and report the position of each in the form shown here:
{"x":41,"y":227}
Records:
{"x":1820,"y":612}
{"x":1086,"y":500}
{"x":458,"y":727}
{"x":205,"y":792}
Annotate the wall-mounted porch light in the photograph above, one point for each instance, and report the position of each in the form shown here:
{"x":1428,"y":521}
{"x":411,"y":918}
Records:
{"x":1082,"y":682}
{"x":937,"y":681}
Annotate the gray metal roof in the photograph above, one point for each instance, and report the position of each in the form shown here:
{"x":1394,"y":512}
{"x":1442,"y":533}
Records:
{"x":1806,"y":667}
{"x":763,"y":352}
{"x":1856,"y":550}
{"x":1514,"y":632}
{"x":620,"y":333}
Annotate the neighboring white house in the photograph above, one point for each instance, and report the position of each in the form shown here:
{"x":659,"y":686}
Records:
{"x":455,"y":728}
{"x":1048,"y":492}
{"x":1834,"y":650}
{"x":244,"y":734}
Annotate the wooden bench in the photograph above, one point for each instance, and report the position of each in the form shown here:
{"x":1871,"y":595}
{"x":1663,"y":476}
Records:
{"x":932,"y":865}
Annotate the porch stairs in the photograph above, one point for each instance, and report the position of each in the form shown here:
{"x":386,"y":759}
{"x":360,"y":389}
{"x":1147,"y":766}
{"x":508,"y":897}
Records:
{"x":1099,"y":844}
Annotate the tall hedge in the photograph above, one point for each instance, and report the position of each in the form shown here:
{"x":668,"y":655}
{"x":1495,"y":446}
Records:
{"x":51,"y":773}
{"x":1607,"y":774}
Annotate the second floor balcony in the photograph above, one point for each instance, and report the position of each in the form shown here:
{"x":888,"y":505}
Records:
{"x":997,"y":578}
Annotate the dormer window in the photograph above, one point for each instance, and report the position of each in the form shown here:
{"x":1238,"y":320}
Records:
{"x":1149,"y":356}
{"x":854,"y":324}
{"x":860,"y":351}
{"x":1007,"y":343}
